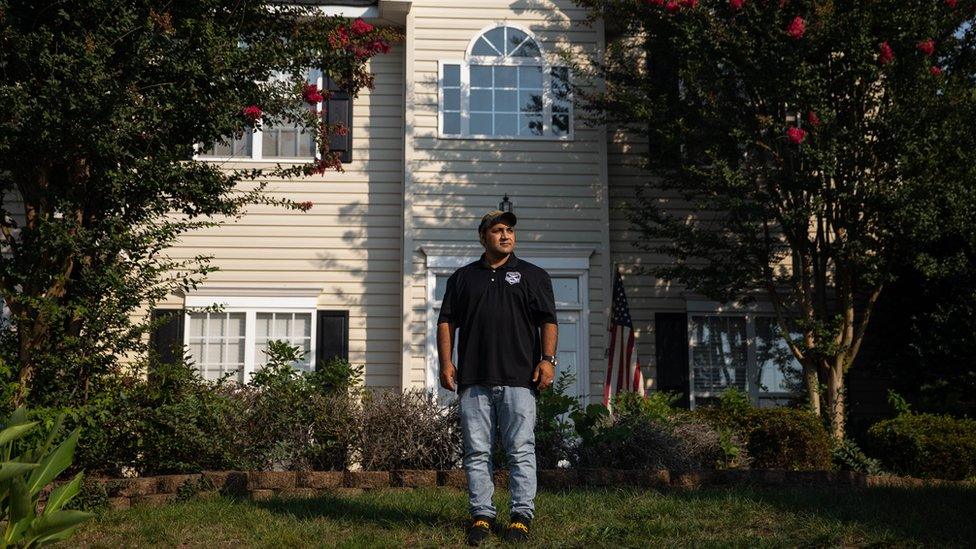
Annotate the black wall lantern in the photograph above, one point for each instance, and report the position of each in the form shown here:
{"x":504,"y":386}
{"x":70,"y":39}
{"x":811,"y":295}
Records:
{"x":505,"y":205}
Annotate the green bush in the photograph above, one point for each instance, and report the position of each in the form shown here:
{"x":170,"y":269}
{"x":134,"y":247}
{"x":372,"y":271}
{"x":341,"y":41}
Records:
{"x":555,"y":440}
{"x":848,"y":456}
{"x":926,"y":445}
{"x":776,"y":438}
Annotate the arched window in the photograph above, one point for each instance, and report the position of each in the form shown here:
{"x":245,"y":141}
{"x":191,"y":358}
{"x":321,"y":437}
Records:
{"x":504,"y":89}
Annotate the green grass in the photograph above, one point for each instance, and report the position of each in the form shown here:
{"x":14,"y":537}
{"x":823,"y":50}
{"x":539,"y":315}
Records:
{"x":735,"y":517}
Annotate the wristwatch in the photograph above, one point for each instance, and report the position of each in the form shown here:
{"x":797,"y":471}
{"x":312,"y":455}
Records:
{"x":551,"y":359}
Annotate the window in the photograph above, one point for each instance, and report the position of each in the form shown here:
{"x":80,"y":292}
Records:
{"x":235,"y":340}
{"x":289,"y":141}
{"x":742,"y":351}
{"x":504,"y":89}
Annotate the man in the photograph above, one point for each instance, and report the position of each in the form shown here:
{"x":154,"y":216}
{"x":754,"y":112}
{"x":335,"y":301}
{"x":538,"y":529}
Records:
{"x":505,"y":312}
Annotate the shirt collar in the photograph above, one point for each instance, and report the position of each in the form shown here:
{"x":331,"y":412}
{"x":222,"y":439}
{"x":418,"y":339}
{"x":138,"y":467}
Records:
{"x":511,"y":263}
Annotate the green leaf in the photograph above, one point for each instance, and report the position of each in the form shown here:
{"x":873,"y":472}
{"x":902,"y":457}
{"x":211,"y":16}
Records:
{"x":55,"y":523}
{"x":15,"y":431}
{"x":54,"y":463}
{"x":55,"y":429}
{"x":10,"y":469}
{"x":63,"y":494}
{"x":17,"y":417}
{"x":20,"y":501}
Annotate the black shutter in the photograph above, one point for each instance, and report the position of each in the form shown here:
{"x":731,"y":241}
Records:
{"x":332,"y":336}
{"x":671,"y":352}
{"x":339,"y":110}
{"x":167,"y":336}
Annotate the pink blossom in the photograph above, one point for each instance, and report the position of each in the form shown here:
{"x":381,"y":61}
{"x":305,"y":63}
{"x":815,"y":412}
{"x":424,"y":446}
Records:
{"x":673,"y":6}
{"x":885,"y":53}
{"x":339,"y":38}
{"x":689,"y":3}
{"x":813,"y":119}
{"x":381,"y":46}
{"x":951,"y":4}
{"x":797,"y":28}
{"x":796,"y":135}
{"x":311,"y":94}
{"x":736,"y":5}
{"x":304,"y":206}
{"x":926,"y":46}
{"x":935,"y":71}
{"x":252,"y":112}
{"x":360,"y":27}
{"x":658,"y":3}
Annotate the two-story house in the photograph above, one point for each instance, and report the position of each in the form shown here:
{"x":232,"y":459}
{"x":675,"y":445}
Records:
{"x":470,"y":110}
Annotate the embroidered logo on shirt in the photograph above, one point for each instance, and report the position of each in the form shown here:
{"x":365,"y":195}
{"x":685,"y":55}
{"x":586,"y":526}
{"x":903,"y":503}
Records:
{"x":513,"y":277}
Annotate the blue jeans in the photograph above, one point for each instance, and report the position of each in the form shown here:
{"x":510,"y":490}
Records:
{"x":510,"y":410}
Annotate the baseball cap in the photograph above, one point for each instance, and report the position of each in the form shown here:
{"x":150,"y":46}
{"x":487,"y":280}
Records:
{"x":495,"y":216}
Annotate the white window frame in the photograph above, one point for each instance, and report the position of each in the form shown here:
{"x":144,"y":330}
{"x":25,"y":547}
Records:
{"x":750,"y":313}
{"x":557,"y":267}
{"x":251,"y":306}
{"x":257,"y":143}
{"x":465,"y":69}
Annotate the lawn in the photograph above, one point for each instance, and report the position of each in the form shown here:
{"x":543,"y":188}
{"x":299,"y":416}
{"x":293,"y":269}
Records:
{"x":579,"y":518}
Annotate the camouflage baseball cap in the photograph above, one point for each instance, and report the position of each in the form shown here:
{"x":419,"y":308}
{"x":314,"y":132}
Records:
{"x":495,"y":216}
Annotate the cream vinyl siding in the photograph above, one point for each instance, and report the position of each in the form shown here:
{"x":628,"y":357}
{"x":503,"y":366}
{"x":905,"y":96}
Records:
{"x":645,"y":294}
{"x":349,"y":243}
{"x":557,"y":187}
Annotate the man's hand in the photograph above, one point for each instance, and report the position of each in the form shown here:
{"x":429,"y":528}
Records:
{"x":449,"y":377}
{"x":545,"y":372}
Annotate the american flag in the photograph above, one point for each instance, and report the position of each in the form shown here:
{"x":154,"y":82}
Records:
{"x":623,"y":366}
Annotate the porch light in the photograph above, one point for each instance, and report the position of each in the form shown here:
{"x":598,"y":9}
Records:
{"x":505,"y":205}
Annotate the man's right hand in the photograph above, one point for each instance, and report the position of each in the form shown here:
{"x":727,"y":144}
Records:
{"x":449,"y":377}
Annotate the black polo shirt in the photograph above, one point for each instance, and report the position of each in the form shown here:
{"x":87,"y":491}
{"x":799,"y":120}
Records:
{"x":498,"y":313}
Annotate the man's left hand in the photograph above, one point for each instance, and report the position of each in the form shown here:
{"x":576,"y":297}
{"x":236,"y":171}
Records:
{"x":545,"y":372}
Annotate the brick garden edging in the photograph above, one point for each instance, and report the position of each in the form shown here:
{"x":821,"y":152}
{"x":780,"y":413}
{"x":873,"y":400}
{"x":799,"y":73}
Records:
{"x":261,"y":485}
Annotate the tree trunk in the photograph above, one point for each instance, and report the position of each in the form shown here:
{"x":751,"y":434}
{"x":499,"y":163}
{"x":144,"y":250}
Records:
{"x":835,"y":397}
{"x":812,"y":382}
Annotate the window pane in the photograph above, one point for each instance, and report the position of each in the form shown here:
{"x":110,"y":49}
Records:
{"x":529,"y":49}
{"x":287,"y":141}
{"x":566,"y":290}
{"x":482,"y":47}
{"x":235,"y":325}
{"x":196,"y":353}
{"x":480,"y":100}
{"x":452,"y":123}
{"x":214,"y":352}
{"x":506,"y":101}
{"x":505,"y":77}
{"x":216,"y":323}
{"x":530,"y":124}
{"x":282,"y":326}
{"x":452,"y":75}
{"x":269,"y":142}
{"x":480,"y":76}
{"x":303,"y":325}
{"x":452,"y":100}
{"x":506,"y":124}
{"x":481,"y":124}
{"x":778,"y":371}
{"x":718,"y":350}
{"x":530,"y":101}
{"x":235,"y":352}
{"x":197,"y":321}
{"x":440,"y":287}
{"x":496,"y":37}
{"x":515,"y":39}
{"x":530,"y":77}
{"x":560,"y":124}
{"x":262,"y":330}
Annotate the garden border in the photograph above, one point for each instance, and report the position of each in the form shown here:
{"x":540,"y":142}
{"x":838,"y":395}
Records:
{"x":123,"y":493}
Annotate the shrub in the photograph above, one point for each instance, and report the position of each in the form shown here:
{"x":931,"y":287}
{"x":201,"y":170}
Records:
{"x":623,"y":442}
{"x":776,"y":438}
{"x":848,"y":456}
{"x":555,"y":440}
{"x":408,"y":430}
{"x":926,"y":445}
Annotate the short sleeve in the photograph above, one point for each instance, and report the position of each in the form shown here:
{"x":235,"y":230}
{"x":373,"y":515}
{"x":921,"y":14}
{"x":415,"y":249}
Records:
{"x":449,"y":303}
{"x":543,"y":302}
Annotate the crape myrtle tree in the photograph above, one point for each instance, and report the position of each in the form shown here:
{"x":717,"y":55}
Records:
{"x":797,"y":149}
{"x":105,"y":103}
